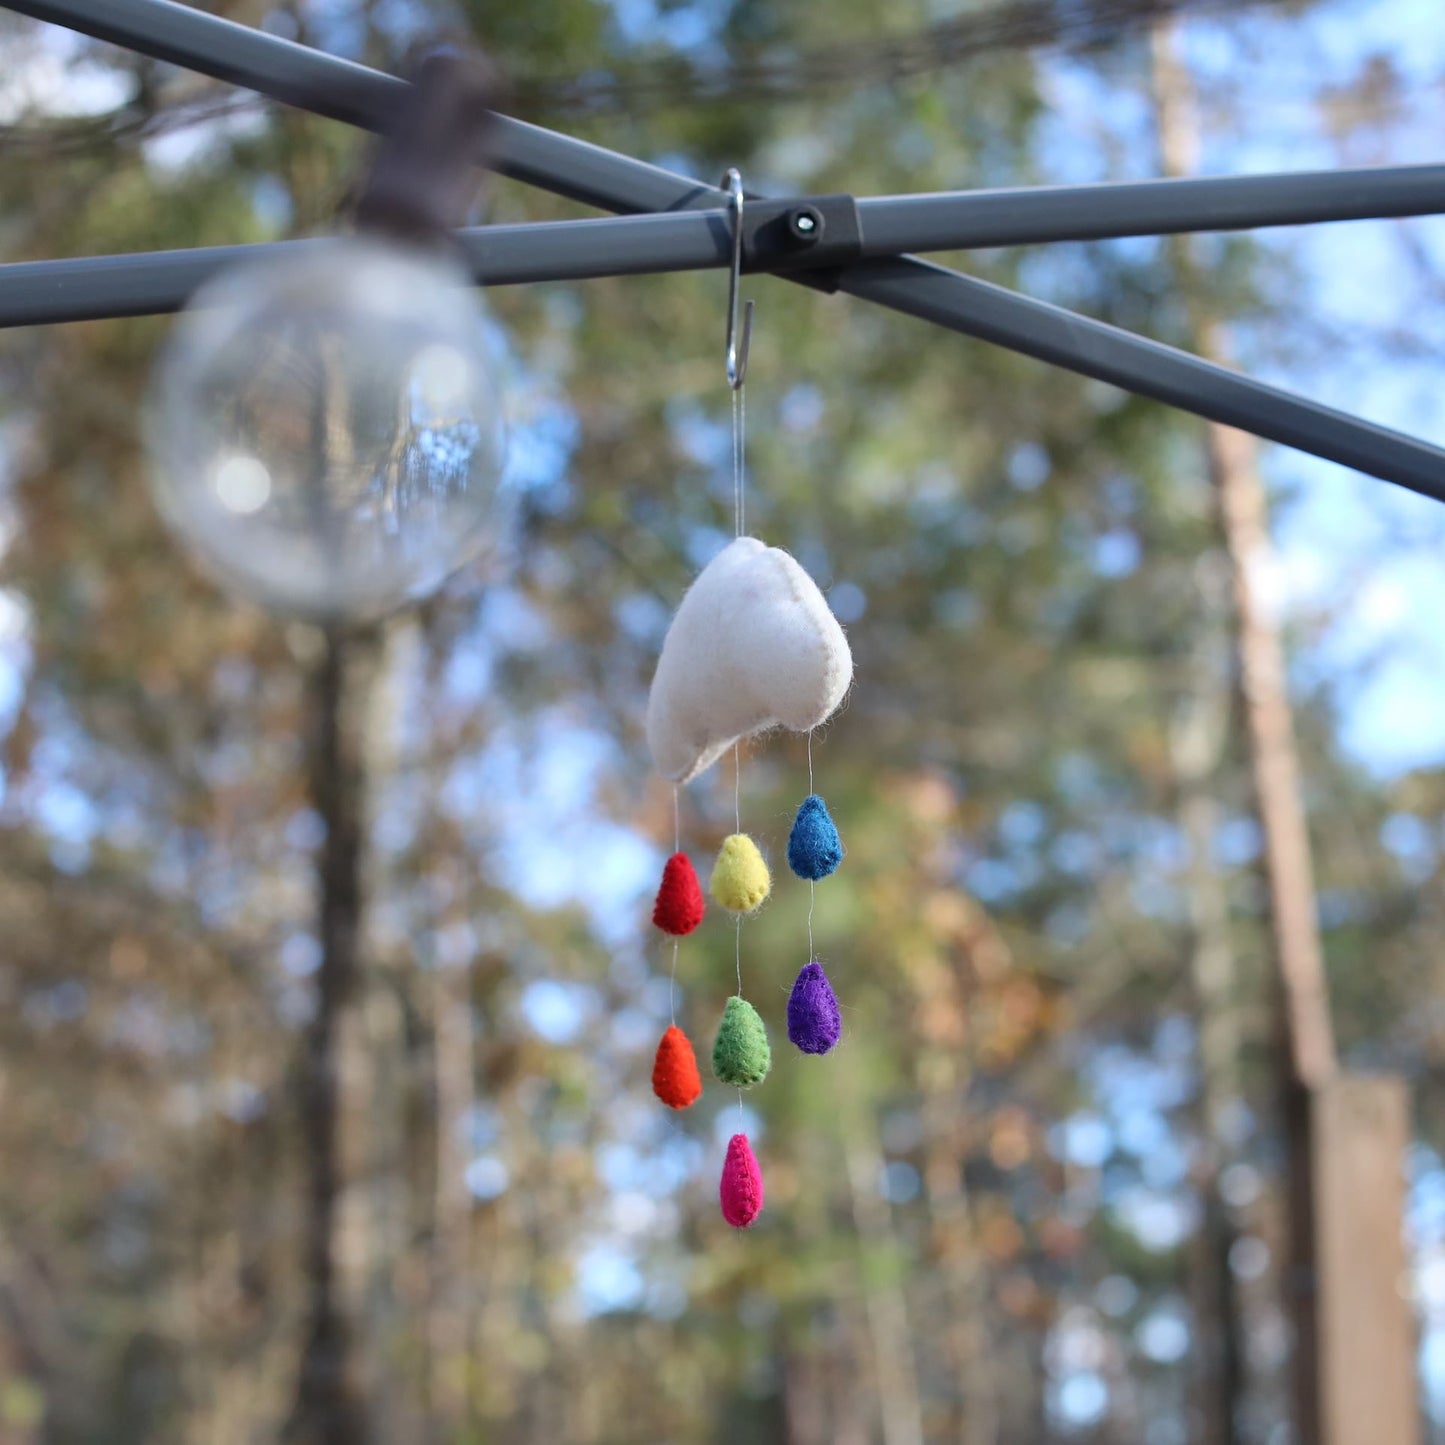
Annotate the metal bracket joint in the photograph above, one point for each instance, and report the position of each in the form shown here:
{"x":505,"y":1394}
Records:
{"x":808,"y":233}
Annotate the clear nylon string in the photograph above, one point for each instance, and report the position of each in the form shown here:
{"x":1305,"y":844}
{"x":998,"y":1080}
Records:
{"x":676,"y":848}
{"x":740,"y":424}
{"x":737,"y":788}
{"x":812,"y":883}
{"x":740,"y":416}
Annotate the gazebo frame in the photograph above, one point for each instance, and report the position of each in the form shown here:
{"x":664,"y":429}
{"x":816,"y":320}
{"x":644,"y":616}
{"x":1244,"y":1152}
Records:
{"x":668,"y":222}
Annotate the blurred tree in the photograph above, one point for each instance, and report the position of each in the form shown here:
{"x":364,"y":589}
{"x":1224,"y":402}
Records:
{"x":423,"y":1126}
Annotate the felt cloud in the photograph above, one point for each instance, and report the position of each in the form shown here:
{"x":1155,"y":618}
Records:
{"x":753,"y":646}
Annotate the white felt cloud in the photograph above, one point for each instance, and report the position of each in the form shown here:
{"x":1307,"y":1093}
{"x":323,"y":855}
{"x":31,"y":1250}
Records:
{"x":753,"y":646}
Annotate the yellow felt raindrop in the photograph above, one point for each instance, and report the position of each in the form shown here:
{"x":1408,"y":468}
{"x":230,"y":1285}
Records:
{"x":740,"y":879}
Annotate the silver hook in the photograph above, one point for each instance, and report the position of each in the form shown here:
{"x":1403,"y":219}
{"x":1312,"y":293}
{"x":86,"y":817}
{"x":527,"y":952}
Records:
{"x":737,"y":353}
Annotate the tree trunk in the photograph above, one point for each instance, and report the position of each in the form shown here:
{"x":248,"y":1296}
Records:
{"x":959,"y":1268}
{"x":1233,"y":463}
{"x":1233,"y":458}
{"x":327,"y":1410}
{"x":1360,"y":1130}
{"x":1308,"y":1057}
{"x":449,"y":1315}
{"x":885,"y":1309}
{"x":1197,"y":749}
{"x":805,"y":1405}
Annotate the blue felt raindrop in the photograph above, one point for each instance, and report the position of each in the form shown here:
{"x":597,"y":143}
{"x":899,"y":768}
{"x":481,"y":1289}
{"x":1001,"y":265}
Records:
{"x":814,"y":848}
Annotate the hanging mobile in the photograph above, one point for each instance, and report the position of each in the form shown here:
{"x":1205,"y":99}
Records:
{"x":752,"y":646}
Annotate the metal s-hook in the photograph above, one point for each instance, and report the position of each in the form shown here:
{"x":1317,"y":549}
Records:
{"x":738,"y":343}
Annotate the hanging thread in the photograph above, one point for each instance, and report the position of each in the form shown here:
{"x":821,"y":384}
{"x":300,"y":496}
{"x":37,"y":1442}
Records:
{"x":677,"y":848}
{"x":677,"y":911}
{"x":672,"y":984}
{"x":740,"y":878}
{"x":738,"y":505}
{"x":737,"y":788}
{"x":812,"y":882}
{"x":814,"y":851}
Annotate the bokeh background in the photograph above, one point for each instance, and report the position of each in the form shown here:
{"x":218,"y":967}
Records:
{"x":1039,"y":1192}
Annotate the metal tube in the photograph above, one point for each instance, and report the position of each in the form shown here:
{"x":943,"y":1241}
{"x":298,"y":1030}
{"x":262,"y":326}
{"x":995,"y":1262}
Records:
{"x":296,"y":74}
{"x":91,"y":288}
{"x":34,"y":293}
{"x":619,"y":183}
{"x":1147,"y":368}
{"x":343,"y":90}
{"x":44,"y":291}
{"x":958,"y":220}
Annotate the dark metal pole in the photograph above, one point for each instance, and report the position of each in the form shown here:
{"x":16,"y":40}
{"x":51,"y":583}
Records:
{"x":1148,"y":368}
{"x":342,"y":90}
{"x":964,"y":219}
{"x":34,"y":293}
{"x":37,"y":292}
{"x":132,"y":285}
{"x":619,"y":183}
{"x":238,"y":54}
{"x":345,"y":91}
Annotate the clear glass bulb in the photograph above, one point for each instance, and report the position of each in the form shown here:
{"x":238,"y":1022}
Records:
{"x":326,"y":429}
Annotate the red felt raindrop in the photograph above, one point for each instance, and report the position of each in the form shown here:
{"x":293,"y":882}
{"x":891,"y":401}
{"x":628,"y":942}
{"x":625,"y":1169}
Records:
{"x":741,"y":1190}
{"x":679,"y":907}
{"x":675,"y":1079}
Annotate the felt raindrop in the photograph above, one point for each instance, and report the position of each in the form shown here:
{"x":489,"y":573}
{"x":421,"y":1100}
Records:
{"x":675,"y":1079}
{"x":741,"y":1190}
{"x":740,"y":878}
{"x":814,"y":1022}
{"x":740,"y":1053}
{"x":680,"y":905}
{"x":814,"y":848}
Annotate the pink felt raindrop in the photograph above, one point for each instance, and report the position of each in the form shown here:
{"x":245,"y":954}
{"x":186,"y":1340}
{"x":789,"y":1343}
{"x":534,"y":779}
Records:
{"x":741,"y":1190}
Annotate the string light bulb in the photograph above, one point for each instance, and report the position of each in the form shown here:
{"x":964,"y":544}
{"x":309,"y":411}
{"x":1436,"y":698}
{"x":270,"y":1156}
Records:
{"x":326,"y":426}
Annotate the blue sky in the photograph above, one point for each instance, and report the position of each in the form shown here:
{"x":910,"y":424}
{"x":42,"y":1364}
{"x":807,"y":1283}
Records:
{"x":1359,"y":569}
{"x":1370,"y":556}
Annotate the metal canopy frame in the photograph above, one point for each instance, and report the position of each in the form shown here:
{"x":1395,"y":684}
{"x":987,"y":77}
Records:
{"x":668,"y":222}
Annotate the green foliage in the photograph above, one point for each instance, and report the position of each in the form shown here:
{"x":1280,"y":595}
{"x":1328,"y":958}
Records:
{"x":1028,"y":565}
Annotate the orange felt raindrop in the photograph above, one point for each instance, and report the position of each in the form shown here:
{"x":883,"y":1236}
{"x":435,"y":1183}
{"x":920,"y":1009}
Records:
{"x":675,"y":1079}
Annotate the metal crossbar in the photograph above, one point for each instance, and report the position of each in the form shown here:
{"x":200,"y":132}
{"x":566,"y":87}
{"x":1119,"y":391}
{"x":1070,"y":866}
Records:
{"x":669,"y":222}
{"x":94,"y":287}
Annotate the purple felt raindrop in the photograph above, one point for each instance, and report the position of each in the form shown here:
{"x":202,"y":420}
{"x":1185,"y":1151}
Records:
{"x":814,"y":1023}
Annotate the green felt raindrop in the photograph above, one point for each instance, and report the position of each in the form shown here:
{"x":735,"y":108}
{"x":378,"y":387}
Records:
{"x":741,"y":1054}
